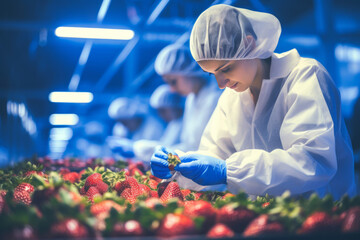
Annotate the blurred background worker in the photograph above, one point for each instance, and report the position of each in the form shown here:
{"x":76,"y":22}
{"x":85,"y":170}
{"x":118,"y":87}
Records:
{"x":133,"y":122}
{"x":170,"y":108}
{"x":184,"y":76}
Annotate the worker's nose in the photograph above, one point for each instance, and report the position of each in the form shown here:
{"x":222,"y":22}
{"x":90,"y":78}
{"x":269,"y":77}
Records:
{"x":221,"y":80}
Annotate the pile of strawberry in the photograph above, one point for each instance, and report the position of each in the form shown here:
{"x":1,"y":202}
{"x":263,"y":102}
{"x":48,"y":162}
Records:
{"x":95,"y":202}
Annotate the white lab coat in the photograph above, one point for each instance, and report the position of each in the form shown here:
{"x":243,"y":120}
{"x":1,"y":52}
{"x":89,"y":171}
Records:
{"x":293,"y":139}
{"x":143,"y":149}
{"x":198,"y":110}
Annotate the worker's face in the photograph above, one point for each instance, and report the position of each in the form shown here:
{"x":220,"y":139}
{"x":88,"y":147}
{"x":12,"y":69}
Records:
{"x":180,"y":84}
{"x":238,"y":75}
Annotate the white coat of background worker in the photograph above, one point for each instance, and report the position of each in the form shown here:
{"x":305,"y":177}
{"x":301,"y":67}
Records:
{"x":278,"y":125}
{"x":178,"y":69}
{"x":170,"y":108}
{"x":133,"y":122}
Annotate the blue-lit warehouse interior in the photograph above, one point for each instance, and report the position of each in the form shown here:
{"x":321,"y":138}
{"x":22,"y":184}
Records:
{"x":35,"y":63}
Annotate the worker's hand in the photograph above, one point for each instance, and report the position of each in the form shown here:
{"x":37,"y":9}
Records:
{"x":202,"y":169}
{"x":159,"y":163}
{"x":122,"y":146}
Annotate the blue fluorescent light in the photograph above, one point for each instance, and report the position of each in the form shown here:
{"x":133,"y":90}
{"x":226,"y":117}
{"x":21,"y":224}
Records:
{"x":71,"y":97}
{"x":64,"y":119}
{"x":94,"y":33}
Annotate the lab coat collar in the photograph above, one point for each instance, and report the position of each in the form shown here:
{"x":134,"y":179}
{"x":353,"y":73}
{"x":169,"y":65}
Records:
{"x":282,"y":64}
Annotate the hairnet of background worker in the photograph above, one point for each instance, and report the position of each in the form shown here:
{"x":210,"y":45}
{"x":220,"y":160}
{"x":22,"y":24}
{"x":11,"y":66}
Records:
{"x":184,"y":76}
{"x":277,"y":126}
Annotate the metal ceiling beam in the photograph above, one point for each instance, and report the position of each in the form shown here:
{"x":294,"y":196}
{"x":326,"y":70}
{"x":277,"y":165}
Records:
{"x":111,"y":71}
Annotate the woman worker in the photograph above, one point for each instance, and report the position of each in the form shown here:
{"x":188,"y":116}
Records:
{"x":184,"y":76}
{"x":277,"y":126}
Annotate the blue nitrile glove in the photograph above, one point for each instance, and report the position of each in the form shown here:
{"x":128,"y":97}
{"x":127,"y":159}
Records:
{"x":202,"y":169}
{"x":159,"y":164}
{"x":122,"y":146}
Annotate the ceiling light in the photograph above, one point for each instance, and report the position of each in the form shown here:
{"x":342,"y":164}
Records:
{"x":64,"y":119}
{"x":71,"y":97}
{"x":94,"y":33}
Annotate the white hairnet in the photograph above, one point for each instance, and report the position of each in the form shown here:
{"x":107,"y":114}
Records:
{"x":177,"y":59}
{"x":163,"y":97}
{"x":221,"y":31}
{"x":126,"y":108}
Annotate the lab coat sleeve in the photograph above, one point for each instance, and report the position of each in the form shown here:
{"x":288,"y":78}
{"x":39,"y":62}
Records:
{"x":308,"y":159}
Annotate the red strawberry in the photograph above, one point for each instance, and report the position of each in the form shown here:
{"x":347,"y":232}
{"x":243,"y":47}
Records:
{"x":64,"y":171}
{"x":153,"y":184}
{"x":129,"y":228}
{"x":154,"y":194}
{"x":185,"y":192}
{"x":134,"y":186}
{"x":220,"y":231}
{"x":92,"y":180}
{"x":120,"y":186}
{"x":203,"y":209}
{"x":69,"y":228}
{"x":104,"y":207}
{"x":22,"y":197}
{"x":175,"y":224}
{"x":237,"y":218}
{"x":265,"y":204}
{"x":172,"y":191}
{"x":29,"y":173}
{"x":102,"y":187}
{"x":128,"y":195}
{"x":27,"y":187}
{"x":161,"y":188}
{"x":351,"y":222}
{"x":152,"y":202}
{"x":144,"y":189}
{"x":135,"y":171}
{"x":262,"y":226}
{"x":72,"y":177}
{"x":82,"y":190}
{"x":2,"y":200}
{"x":320,"y":222}
{"x":155,"y":178}
{"x":92,"y":193}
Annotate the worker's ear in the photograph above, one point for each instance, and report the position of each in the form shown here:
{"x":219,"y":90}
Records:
{"x":250,"y":40}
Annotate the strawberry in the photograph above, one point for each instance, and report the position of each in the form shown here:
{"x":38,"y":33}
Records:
{"x":152,"y":202}
{"x":128,"y":195}
{"x":220,"y":231}
{"x":2,"y":200}
{"x":105,"y":207}
{"x":227,"y":195}
{"x":72,"y":177}
{"x":82,"y":190}
{"x":185,"y":192}
{"x":161,"y":188}
{"x":172,"y":191}
{"x":144,"y":189}
{"x":262,"y":226}
{"x":43,"y":195}
{"x":155,"y":178}
{"x":319,"y":222}
{"x":154,"y":194}
{"x":173,"y":161}
{"x":175,"y":224}
{"x":129,"y":228}
{"x":27,"y":187}
{"x":102,"y":187}
{"x":22,"y":197}
{"x":29,"y":173}
{"x":351,"y":222}
{"x":265,"y":204}
{"x":92,"y":193}
{"x":134,"y":186}
{"x":120,"y":186}
{"x":135,"y":171}
{"x":64,"y":171}
{"x":237,"y":218}
{"x":69,"y":228}
{"x":203,"y":209}
{"x":92,"y":180}
{"x":153,"y":184}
